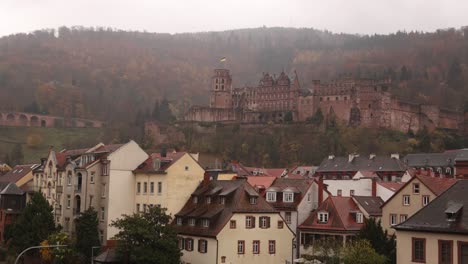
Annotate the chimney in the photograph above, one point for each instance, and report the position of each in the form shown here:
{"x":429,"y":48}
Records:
{"x":372,"y":156}
{"x":163,"y":152}
{"x":374,"y":187}
{"x":330,"y":157}
{"x":320,"y":190}
{"x":352,"y":156}
{"x":395,"y":156}
{"x":206,"y":178}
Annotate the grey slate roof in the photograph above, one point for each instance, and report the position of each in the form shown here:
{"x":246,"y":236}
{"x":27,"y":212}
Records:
{"x":371,"y":204}
{"x":10,"y":188}
{"x":377,"y":164}
{"x":444,"y":159}
{"x":432,"y":218}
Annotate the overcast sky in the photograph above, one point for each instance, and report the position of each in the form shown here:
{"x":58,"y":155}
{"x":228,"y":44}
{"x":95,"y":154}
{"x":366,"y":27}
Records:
{"x":174,"y":16}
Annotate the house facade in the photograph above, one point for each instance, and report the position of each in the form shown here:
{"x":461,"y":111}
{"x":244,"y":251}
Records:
{"x":227,"y":221}
{"x":166,"y":180}
{"x":414,"y":195}
{"x":438,"y":232}
{"x":12,"y":203}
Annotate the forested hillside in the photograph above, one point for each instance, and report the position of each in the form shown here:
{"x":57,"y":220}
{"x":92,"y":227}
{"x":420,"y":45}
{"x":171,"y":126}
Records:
{"x":112,"y":75}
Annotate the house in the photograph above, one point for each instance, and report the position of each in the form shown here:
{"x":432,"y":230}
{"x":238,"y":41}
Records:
{"x":369,"y":206}
{"x":338,"y":218}
{"x":302,"y":172}
{"x":100,"y":176}
{"x":166,"y":180}
{"x":438,"y":233}
{"x":261,"y":183}
{"x":12,"y":203}
{"x":227,"y":221}
{"x":411,"y":197}
{"x":356,"y":175}
{"x":21,"y":175}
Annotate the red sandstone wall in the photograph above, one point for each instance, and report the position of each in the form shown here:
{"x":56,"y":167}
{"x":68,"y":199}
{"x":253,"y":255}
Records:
{"x":35,"y":120}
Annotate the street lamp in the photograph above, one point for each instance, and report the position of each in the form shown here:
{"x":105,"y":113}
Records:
{"x":92,"y":253}
{"x":49,"y":246}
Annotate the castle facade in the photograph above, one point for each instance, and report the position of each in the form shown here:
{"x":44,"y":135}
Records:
{"x":356,"y":102}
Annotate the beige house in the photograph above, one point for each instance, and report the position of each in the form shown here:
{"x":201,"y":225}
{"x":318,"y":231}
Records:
{"x":229,"y":222}
{"x":438,"y":233}
{"x":100,"y":176}
{"x":20,"y":175}
{"x":166,"y":180}
{"x":418,"y":192}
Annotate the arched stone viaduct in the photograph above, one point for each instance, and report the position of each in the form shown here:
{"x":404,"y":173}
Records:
{"x":21,"y":119}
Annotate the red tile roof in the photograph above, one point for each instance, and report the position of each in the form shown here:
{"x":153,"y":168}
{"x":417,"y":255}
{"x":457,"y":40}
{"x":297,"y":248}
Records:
{"x":341,"y":217}
{"x":299,"y":186}
{"x":18,"y":172}
{"x":275,"y":172}
{"x":392,"y":186}
{"x":261,"y":181}
{"x":168,"y":161}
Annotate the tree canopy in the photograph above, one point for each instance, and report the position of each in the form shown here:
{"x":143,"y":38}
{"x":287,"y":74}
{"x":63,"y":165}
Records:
{"x":87,"y":234}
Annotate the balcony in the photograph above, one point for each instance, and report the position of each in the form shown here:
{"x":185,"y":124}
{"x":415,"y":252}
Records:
{"x":58,"y":210}
{"x":77,"y":188}
{"x":59,"y":189}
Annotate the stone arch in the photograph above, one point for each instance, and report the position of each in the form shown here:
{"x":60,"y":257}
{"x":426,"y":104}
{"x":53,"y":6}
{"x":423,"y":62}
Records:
{"x":23,"y":120}
{"x":34,"y":121}
{"x":43,"y":123}
{"x":10,"y":118}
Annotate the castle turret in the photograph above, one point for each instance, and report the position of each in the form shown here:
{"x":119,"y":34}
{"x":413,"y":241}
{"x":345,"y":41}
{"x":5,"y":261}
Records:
{"x":221,"y":86}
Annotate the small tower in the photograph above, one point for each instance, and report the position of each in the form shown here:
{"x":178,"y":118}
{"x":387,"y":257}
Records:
{"x":221,"y":89}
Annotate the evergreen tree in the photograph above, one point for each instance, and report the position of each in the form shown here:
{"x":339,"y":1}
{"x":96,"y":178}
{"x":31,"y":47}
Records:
{"x":87,"y":235}
{"x":147,"y":237}
{"x":373,"y":232}
{"x":33,"y":226}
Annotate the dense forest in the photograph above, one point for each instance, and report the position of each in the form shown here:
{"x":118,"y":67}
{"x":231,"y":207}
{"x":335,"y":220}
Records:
{"x":112,"y":75}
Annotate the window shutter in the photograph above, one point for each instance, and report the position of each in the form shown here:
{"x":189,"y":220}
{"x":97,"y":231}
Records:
{"x":253,"y":221}
{"x":268,"y":222}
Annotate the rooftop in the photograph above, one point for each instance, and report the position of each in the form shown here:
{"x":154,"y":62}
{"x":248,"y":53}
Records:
{"x":371,"y":204}
{"x":358,"y":163}
{"x":18,"y":172}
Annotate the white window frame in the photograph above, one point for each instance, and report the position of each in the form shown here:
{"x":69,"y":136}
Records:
{"x":208,"y":200}
{"x":403,"y":218}
{"x":206,"y":223}
{"x":416,"y":188}
{"x":393,"y":219}
{"x":359,"y":218}
{"x":288,"y":217}
{"x":288,"y":197}
{"x":253,"y":200}
{"x":424,"y":198}
{"x":248,"y":221}
{"x":192,"y":221}
{"x":138,"y":188}
{"x":240,"y":247}
{"x":179,"y":221}
{"x":256,"y":247}
{"x":322,"y":217}
{"x":406,"y":200}
{"x":271,"y":196}
{"x":103,"y":190}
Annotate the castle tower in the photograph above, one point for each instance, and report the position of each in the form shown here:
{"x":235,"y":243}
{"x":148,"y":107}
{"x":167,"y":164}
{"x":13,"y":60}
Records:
{"x":221,"y":89}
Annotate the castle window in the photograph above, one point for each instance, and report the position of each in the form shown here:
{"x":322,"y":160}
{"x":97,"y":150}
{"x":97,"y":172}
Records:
{"x":222,"y":80}
{"x":216,"y":80}
{"x":216,"y":88}
{"x":369,"y":106}
{"x":337,"y":99}
{"x":321,"y":99}
{"x":222,"y":87}
{"x":328,"y":98}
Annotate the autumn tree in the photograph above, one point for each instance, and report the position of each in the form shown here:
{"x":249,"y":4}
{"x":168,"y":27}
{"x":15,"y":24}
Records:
{"x":361,"y":252}
{"x":147,"y":237}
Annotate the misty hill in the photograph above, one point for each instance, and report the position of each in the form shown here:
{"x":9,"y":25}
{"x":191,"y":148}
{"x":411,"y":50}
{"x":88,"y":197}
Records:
{"x":110,"y":74}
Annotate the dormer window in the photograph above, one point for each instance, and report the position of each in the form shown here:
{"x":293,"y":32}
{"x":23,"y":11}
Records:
{"x":453,"y":211}
{"x":208,"y":199}
{"x":288,"y":197}
{"x":156,"y":164}
{"x":179,"y":221}
{"x":222,"y":200}
{"x":195,"y":199}
{"x":359,"y":218}
{"x":253,"y":200}
{"x":271,"y":197}
{"x":323,"y":217}
{"x":205,"y":223}
{"x":191,"y":221}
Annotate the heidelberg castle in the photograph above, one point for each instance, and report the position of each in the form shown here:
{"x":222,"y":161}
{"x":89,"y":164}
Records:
{"x":356,"y":102}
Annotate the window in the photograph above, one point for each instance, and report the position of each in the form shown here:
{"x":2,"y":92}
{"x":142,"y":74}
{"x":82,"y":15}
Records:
{"x":222,"y":200}
{"x":105,"y":169}
{"x":272,"y":246}
{"x":403,"y":218}
{"x":103,"y":213}
{"x":103,"y":190}
{"x":223,"y":259}
{"x":138,"y":187}
{"x":416,"y":188}
{"x":462,"y":252}
{"x":145,"y":208}
{"x":359,"y":218}
{"x":145,"y":187}
{"x":287,"y":217}
{"x":419,"y":250}
{"x":208,"y":199}
{"x":271,"y":197}
{"x":101,"y":236}
{"x":240,"y":247}
{"x":232,"y":224}
{"x":91,"y":177}
{"x":264,"y":222}
{"x":309,"y":197}
{"x":138,"y":207}
{"x":180,"y":242}
{"x":445,"y":252}
{"x":249,"y":222}
{"x":253,"y":200}
{"x":195,"y":199}
{"x":280,"y":224}
{"x":351,"y":192}
{"x":189,"y":244}
{"x":406,"y":200}
{"x":179,"y":221}
{"x":323,"y":217}
{"x":205,"y":223}
{"x":186,"y":168}
{"x":69,"y":178}
{"x":288,"y":197}
{"x":159,"y":187}
{"x":191,"y":221}
{"x":152,"y":187}
{"x":425,"y":200}
{"x":202,"y":246}
{"x":256,"y":247}
{"x":393,"y":219}
{"x":68,"y":201}
{"x":339,"y":192}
